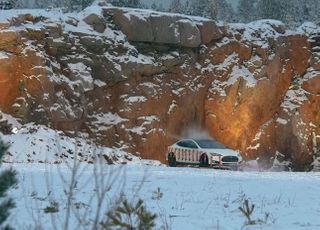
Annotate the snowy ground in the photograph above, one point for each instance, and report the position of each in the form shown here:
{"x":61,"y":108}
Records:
{"x":31,"y":143}
{"x":188,"y":198}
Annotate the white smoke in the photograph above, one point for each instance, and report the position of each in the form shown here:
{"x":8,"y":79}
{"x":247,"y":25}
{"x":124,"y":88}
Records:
{"x":195,"y":132}
{"x":191,"y":132}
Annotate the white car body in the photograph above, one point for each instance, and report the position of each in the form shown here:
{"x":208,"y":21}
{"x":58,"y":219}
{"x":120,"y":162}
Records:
{"x":190,"y":151}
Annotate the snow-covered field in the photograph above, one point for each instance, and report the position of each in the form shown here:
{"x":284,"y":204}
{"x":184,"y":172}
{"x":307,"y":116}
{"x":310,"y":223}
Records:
{"x":183,"y":198}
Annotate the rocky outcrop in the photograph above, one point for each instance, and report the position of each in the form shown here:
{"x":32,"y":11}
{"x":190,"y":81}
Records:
{"x":171,"y":29}
{"x":256,"y":89}
{"x":96,"y":21}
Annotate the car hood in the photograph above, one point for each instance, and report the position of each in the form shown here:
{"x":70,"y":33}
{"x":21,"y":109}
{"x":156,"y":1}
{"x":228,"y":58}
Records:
{"x":223,"y":152}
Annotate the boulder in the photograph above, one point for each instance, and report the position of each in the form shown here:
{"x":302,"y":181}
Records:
{"x":8,"y":38}
{"x":72,"y":21}
{"x":297,"y":49}
{"x":58,"y":46}
{"x":189,"y":33}
{"x":33,"y":33}
{"x":4,"y":25}
{"x":312,"y":85}
{"x":93,"y":43}
{"x":138,"y":29}
{"x":155,"y":27}
{"x":165,"y":29}
{"x":21,"y":19}
{"x":96,"y":21}
{"x":54,"y":30}
{"x":315,"y":64}
{"x":209,"y":31}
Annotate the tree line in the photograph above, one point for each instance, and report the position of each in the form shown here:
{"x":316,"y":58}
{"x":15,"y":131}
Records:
{"x":70,"y":5}
{"x":292,"y":12}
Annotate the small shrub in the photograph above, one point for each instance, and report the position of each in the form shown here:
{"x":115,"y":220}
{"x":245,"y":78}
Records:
{"x":247,"y":210}
{"x":128,"y":216}
{"x":157,"y":194}
{"x":52,"y":208}
{"x":8,"y":179}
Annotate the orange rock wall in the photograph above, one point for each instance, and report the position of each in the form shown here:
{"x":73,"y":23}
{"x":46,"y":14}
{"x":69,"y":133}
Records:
{"x":256,"y":98}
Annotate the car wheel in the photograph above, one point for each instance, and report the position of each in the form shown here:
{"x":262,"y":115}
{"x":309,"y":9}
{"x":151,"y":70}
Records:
{"x":204,"y":160}
{"x":172,"y":162}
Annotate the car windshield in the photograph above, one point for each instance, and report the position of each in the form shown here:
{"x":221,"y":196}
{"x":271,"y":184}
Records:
{"x":210,"y":144}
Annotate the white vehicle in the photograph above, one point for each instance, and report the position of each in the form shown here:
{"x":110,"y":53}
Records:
{"x":202,"y":152}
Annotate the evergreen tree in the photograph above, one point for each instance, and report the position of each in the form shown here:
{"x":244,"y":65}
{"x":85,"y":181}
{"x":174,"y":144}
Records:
{"x":127,"y":3}
{"x":154,"y":6}
{"x":292,"y":11}
{"x":43,"y":4}
{"x":161,"y":8}
{"x":269,"y":9}
{"x":120,"y":3}
{"x":204,"y":8}
{"x":7,"y":4}
{"x":225,"y":11}
{"x":187,"y":7}
{"x":199,"y":7}
{"x":82,"y":3}
{"x":246,"y":11}
{"x":312,"y":9}
{"x":212,"y":9}
{"x":7,"y":180}
{"x":176,"y":7}
{"x":134,"y":3}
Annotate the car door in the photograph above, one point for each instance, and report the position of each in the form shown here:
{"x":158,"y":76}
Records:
{"x":187,"y":150}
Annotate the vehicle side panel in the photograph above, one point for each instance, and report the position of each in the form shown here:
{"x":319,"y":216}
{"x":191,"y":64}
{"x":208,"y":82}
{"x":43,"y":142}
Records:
{"x":184,"y":155}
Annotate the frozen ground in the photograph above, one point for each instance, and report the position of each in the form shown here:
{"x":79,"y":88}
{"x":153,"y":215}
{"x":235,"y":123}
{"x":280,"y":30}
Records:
{"x":188,"y":198}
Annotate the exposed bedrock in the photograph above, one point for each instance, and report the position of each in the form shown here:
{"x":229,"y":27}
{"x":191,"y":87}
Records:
{"x":138,"y":80}
{"x":171,"y":29}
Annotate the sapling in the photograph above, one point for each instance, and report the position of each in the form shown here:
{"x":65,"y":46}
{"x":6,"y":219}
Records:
{"x":8,"y":179}
{"x":247,"y":210}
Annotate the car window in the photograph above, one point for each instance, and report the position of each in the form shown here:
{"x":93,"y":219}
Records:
{"x":210,"y":144}
{"x":187,"y":144}
{"x":182,"y":144}
{"x":191,"y":145}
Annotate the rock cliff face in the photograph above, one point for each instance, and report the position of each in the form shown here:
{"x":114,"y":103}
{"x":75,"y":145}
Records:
{"x":136,"y":80}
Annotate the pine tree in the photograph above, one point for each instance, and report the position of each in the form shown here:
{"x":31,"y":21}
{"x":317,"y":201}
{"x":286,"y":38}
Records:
{"x":7,"y":180}
{"x":225,"y":11}
{"x":312,"y":8}
{"x":187,"y":7}
{"x":211,"y":9}
{"x":199,"y":7}
{"x":82,"y":3}
{"x":269,"y":9}
{"x":160,"y":8}
{"x":246,"y":11}
{"x":134,"y":3}
{"x":176,"y":7}
{"x":154,"y":6}
{"x":127,"y":3}
{"x":292,"y":11}
{"x":120,"y":3}
{"x":305,"y":7}
{"x":7,"y":4}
